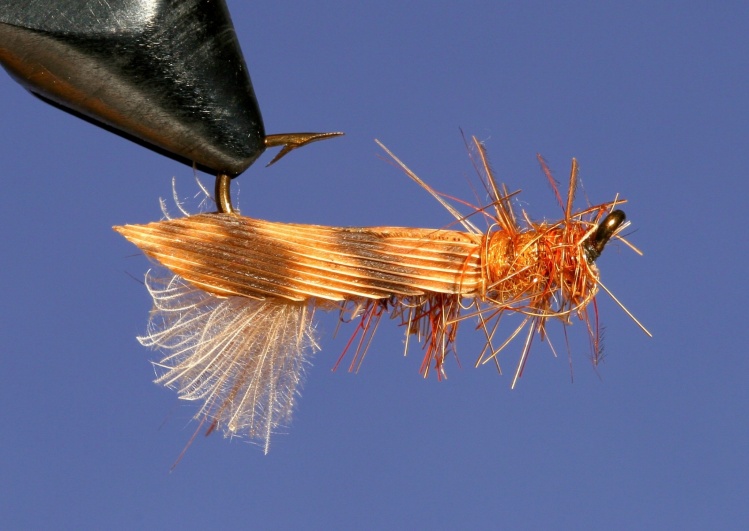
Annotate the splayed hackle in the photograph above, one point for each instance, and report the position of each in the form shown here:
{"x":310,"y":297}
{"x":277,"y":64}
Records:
{"x":243,"y":358}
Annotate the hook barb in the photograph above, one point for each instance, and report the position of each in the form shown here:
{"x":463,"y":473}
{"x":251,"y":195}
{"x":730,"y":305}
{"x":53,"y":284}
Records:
{"x":291,"y":141}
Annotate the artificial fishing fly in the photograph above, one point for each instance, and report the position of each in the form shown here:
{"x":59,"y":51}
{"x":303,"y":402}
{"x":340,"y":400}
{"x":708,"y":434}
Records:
{"x":235,"y":320}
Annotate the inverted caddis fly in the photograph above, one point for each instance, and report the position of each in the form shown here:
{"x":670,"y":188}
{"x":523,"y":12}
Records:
{"x":235,"y":321}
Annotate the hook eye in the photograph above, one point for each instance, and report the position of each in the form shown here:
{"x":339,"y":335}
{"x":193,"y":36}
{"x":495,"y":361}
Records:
{"x":608,"y":227}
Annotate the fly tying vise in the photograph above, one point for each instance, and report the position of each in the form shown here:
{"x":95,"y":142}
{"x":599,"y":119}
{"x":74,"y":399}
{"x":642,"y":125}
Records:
{"x":168,"y":76}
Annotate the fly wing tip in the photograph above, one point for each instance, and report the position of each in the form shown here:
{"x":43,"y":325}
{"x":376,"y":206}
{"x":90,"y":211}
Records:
{"x":138,"y":235}
{"x":129,"y":232}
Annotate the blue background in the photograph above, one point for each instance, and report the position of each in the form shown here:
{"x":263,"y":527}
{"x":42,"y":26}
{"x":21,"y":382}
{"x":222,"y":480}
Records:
{"x":652,"y":100}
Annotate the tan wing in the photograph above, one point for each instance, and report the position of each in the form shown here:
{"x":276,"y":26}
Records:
{"x":227,"y":254}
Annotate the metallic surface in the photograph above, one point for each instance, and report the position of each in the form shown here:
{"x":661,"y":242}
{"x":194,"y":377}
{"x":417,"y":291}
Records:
{"x":291,"y":141}
{"x":223,"y":194}
{"x":168,"y":74}
{"x":608,"y":227}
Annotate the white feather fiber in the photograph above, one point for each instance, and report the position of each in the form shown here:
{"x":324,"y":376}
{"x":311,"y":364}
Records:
{"x":244,"y":358}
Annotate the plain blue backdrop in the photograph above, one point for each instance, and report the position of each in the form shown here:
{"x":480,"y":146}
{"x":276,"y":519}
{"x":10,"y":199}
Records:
{"x":652,"y":100}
